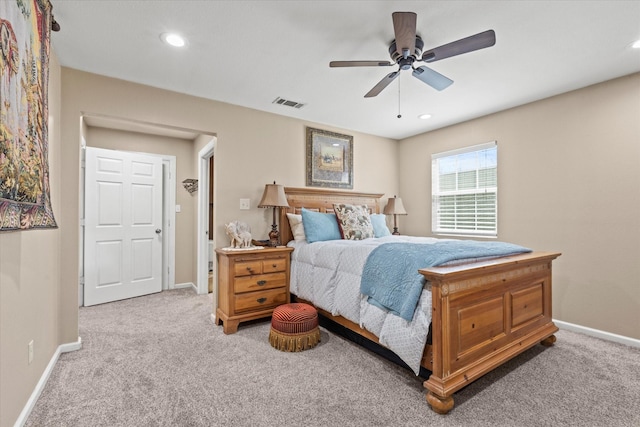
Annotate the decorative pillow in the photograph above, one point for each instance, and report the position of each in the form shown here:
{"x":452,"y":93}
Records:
{"x":354,"y":221}
{"x":297,"y":228}
{"x":379,"y":222}
{"x":320,"y":226}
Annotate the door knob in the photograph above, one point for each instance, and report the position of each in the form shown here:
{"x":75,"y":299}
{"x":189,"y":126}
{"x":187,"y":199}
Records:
{"x":158,"y":231}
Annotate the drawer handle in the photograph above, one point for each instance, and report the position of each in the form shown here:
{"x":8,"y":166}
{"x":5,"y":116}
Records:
{"x":262,"y":282}
{"x":261,"y":300}
{"x":274,"y":265}
{"x":249,"y":269}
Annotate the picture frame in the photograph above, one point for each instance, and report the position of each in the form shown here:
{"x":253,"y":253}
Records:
{"x":329,"y":159}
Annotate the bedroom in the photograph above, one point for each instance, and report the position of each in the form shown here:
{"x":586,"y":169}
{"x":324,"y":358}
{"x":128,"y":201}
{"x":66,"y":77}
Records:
{"x":565,"y":162}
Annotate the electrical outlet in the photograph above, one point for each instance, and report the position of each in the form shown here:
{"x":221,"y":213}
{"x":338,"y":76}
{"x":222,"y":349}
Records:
{"x":245,"y":204}
{"x":30,"y":352}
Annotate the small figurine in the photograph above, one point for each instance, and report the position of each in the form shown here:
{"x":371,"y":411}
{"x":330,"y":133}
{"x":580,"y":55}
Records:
{"x":239,"y":233}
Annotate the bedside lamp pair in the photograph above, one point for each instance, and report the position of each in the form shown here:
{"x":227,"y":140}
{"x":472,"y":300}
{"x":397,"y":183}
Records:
{"x":274,"y":197}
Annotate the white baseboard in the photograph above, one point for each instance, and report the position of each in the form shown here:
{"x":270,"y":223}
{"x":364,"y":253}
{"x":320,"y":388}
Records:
{"x":185,"y":285}
{"x":62,"y":348}
{"x":621,"y":339}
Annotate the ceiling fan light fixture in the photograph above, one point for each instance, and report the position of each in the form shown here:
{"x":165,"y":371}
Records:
{"x":173,"y":39}
{"x":424,"y":116}
{"x":406,"y":49}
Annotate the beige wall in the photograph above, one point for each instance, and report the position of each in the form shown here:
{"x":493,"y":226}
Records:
{"x":30,"y":285}
{"x":568,"y":181}
{"x":182,"y":149}
{"x":253,"y":148}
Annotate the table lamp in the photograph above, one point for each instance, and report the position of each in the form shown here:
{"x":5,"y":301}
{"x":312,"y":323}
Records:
{"x":394,"y":207}
{"x":274,"y":197}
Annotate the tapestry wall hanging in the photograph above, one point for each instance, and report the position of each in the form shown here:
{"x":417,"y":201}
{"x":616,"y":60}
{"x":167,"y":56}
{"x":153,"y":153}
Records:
{"x":25,"y":30}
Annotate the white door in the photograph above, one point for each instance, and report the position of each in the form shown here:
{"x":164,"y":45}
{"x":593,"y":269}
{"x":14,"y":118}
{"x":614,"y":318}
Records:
{"x":123,"y":225}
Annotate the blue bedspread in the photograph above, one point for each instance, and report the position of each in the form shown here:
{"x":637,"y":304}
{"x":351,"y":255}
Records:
{"x":391,"y":280}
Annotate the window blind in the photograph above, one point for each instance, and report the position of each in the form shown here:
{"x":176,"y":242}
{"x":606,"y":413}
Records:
{"x":465,"y":191}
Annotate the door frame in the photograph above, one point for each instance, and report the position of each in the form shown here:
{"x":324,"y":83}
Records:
{"x":202,"y":263}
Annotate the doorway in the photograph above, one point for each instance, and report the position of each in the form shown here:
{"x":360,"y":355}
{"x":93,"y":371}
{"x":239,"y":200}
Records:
{"x":206,"y":204}
{"x":180,"y":208}
{"x":212,"y":246}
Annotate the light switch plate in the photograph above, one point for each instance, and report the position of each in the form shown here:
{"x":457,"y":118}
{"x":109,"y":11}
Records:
{"x":245,"y":204}
{"x":178,"y":208}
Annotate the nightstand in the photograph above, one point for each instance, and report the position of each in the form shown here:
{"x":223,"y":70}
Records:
{"x":251,"y":283}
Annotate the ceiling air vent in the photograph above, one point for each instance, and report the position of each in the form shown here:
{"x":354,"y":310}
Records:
{"x":287,"y":103}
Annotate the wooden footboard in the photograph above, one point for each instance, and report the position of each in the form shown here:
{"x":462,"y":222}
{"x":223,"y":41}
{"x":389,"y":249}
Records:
{"x":484,"y":314}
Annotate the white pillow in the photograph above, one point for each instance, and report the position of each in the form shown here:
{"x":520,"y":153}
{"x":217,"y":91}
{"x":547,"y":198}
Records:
{"x":297,"y":228}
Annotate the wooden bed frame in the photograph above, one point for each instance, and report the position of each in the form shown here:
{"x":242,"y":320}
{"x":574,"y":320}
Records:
{"x":484,"y":313}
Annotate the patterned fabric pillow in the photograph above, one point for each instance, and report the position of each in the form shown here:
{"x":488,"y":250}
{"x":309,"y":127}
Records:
{"x":354,"y":221}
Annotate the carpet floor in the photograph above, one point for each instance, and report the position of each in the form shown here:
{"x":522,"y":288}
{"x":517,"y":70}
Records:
{"x":159,"y":360}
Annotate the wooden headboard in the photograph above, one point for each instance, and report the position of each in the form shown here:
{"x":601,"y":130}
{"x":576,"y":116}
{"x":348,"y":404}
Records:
{"x":321,"y":200}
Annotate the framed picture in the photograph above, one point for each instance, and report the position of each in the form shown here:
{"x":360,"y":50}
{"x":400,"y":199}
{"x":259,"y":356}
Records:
{"x":329,"y":159}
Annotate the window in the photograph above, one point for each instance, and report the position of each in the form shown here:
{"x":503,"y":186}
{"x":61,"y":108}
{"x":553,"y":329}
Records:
{"x":465,"y":191}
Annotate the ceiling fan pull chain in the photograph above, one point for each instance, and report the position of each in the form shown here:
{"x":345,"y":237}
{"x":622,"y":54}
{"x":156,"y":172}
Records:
{"x":399,"y":115}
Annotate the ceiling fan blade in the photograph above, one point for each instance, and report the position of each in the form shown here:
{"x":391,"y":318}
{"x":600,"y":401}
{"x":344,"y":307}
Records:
{"x":359,"y":64}
{"x":432,"y":78}
{"x":404,"y":26}
{"x":386,"y":80}
{"x":468,"y":44}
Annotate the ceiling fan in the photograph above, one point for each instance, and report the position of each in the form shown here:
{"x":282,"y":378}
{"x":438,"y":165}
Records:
{"x":406,"y":49}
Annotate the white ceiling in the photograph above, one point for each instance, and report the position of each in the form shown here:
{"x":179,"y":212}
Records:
{"x":250,"y":52}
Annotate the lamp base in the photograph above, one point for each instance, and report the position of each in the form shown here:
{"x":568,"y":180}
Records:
{"x":395,"y":231}
{"x":274,"y":236}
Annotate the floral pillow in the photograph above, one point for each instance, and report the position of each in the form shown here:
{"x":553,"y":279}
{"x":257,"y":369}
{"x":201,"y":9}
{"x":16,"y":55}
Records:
{"x":354,"y":221}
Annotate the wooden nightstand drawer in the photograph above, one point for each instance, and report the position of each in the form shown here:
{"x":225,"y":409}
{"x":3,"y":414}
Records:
{"x":245,"y":268}
{"x":260,"y":282}
{"x":257,"y":300}
{"x":273,"y":265}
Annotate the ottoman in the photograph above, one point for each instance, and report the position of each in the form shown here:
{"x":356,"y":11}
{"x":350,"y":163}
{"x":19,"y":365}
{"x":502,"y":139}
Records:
{"x":294,"y":327}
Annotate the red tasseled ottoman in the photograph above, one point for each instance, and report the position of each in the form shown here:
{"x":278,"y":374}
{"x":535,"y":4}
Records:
{"x":294,"y":327}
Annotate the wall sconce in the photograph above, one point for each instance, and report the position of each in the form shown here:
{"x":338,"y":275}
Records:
{"x":274,"y":197}
{"x":395,"y":207}
{"x":191,"y":185}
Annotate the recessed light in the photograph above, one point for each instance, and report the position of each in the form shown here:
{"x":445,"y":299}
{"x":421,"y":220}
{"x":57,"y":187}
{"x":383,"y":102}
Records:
{"x":636,"y":44}
{"x":173,"y":39}
{"x":424,"y":116}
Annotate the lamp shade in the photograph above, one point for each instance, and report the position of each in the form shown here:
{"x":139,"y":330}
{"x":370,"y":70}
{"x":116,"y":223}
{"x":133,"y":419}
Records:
{"x":394,"y":207}
{"x":273,"y":196}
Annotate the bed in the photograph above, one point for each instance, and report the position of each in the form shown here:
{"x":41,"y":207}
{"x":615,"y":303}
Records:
{"x":483,"y":312}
